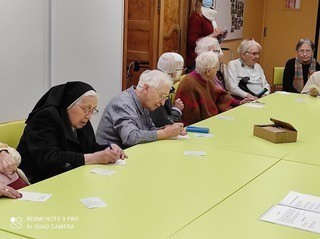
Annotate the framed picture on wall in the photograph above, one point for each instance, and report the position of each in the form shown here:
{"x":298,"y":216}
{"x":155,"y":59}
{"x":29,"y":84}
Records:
{"x":292,"y":5}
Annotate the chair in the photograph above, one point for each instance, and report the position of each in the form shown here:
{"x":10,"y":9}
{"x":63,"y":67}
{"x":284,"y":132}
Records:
{"x":11,"y":132}
{"x":277,"y":78}
{"x":175,"y":86}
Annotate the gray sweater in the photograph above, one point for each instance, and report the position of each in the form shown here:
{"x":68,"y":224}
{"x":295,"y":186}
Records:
{"x":125,"y":122}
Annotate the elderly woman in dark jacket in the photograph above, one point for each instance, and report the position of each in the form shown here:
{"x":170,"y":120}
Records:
{"x":59,"y":136}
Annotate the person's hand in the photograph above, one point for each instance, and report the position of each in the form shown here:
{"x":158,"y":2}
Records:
{"x":217,"y":32}
{"x":251,"y":97}
{"x":245,"y":100}
{"x":7,"y":164}
{"x":120,"y":153}
{"x":314,"y":91}
{"x":179,"y":104}
{"x":170,"y":131}
{"x":9,"y":192}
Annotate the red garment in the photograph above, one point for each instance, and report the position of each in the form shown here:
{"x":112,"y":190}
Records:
{"x":198,"y":27}
{"x":19,"y":183}
{"x":202,"y":99}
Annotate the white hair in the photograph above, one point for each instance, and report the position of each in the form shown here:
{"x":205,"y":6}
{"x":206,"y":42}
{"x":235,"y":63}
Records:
{"x":169,"y":62}
{"x":206,"y":60}
{"x":206,"y":44}
{"x":154,"y":78}
{"x":245,"y":46}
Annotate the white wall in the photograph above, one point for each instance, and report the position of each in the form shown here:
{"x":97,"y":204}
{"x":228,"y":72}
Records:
{"x":49,"y":42}
{"x":23,"y":56}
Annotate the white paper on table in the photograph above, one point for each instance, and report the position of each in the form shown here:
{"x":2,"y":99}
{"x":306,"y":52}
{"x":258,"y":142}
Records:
{"x":300,"y":100}
{"x":254,"y":105}
{"x":296,"y":210}
{"x":93,"y":202}
{"x":181,"y":137}
{"x":283,"y":92}
{"x":194,"y":153}
{"x":120,"y":162}
{"x":203,"y":135}
{"x":103,"y":171}
{"x":225,"y":117}
{"x":34,"y":197}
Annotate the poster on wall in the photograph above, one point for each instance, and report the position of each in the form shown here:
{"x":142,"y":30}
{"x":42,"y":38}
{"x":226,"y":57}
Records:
{"x":230,"y":17}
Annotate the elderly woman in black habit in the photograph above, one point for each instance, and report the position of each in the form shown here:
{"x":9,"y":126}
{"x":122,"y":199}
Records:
{"x":59,"y":136}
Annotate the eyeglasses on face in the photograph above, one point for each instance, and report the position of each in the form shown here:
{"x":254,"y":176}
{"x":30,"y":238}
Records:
{"x":253,"y":53}
{"x":164,"y":96}
{"x":88,"y":111}
{"x":217,"y":51}
{"x":302,"y":51}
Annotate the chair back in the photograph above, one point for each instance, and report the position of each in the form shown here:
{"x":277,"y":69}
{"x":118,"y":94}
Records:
{"x":175,"y":86}
{"x":11,"y":132}
{"x":277,"y":77}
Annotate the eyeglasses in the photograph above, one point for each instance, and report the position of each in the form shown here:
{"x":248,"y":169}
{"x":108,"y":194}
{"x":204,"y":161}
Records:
{"x":254,"y":53}
{"x":305,"y":52}
{"x":88,"y":111}
{"x":164,"y":96}
{"x":182,"y":69}
{"x":216,"y":51}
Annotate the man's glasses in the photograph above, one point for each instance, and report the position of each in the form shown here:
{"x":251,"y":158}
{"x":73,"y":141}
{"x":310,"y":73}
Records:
{"x":164,"y":96}
{"x":88,"y":111}
{"x":253,"y":53}
{"x":216,"y":51}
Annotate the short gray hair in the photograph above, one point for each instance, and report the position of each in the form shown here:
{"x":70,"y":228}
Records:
{"x":203,"y":44}
{"x":305,"y":40}
{"x":206,"y":60}
{"x":246,"y":44}
{"x":154,"y":78}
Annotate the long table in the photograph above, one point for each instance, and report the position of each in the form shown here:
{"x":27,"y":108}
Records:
{"x":162,"y":193}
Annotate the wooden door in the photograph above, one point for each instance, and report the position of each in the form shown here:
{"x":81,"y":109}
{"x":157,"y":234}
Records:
{"x":283,"y":29}
{"x":151,"y":27}
{"x":140,"y":32}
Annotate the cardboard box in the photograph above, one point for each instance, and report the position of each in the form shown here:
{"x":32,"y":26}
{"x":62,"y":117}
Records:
{"x":279,"y":132}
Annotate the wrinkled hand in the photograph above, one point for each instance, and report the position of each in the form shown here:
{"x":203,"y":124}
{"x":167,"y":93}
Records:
{"x":120,"y":153}
{"x":9,"y":192}
{"x":251,"y":97}
{"x":179,"y":104}
{"x":174,"y":130}
{"x":7,"y":164}
{"x":245,"y":100}
{"x":313,"y":91}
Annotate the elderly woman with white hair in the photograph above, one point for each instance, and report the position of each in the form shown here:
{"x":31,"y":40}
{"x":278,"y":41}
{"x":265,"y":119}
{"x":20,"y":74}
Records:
{"x":173,"y":64}
{"x":126,"y":120}
{"x":247,"y":70}
{"x":201,"y":96}
{"x":58,"y":135}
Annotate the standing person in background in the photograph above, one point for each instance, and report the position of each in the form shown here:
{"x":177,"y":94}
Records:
{"x":171,"y":63}
{"x":247,"y":66}
{"x":202,"y":23}
{"x":299,"y":69}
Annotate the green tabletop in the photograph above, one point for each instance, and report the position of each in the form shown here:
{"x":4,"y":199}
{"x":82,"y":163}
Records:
{"x":8,"y":235}
{"x":237,"y":216}
{"x":159,"y":191}
{"x":308,"y":153}
{"x":233,"y":130}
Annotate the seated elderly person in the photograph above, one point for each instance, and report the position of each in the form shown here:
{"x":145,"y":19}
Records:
{"x":248,"y":70}
{"x":11,"y":177}
{"x":312,"y":87}
{"x":59,"y":137}
{"x":299,"y":69}
{"x":172,"y":64}
{"x":201,"y":96}
{"x":126,"y":120}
